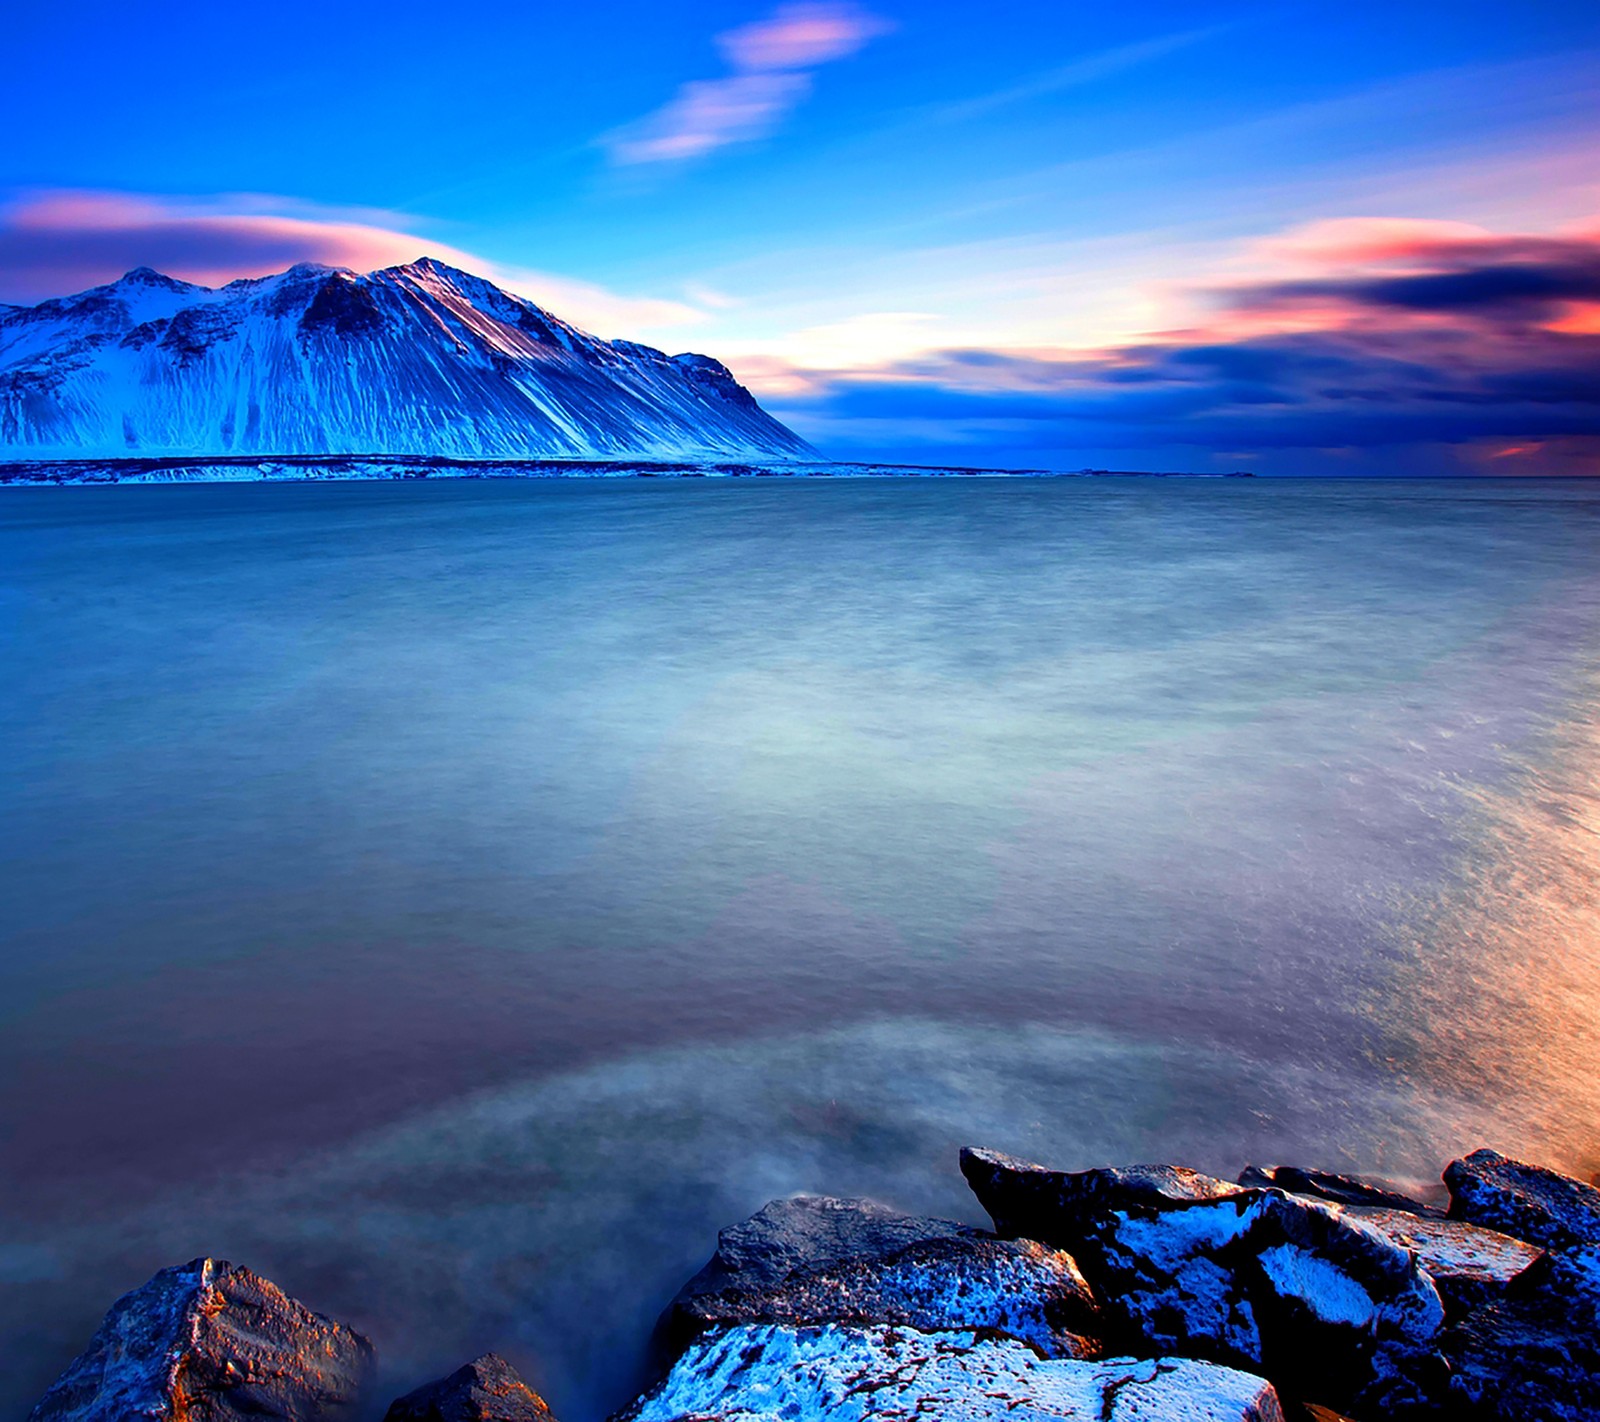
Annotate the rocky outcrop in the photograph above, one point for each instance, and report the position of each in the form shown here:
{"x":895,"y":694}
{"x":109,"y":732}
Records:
{"x":765,"y":1373}
{"x":1146,"y":1293}
{"x":488,"y":1389}
{"x":812,"y":1260}
{"x":210,"y":1341}
{"x":1328,"y":1306}
{"x":1527,"y":1201}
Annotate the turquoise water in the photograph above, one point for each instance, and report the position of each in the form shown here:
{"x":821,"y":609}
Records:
{"x":457,"y":900}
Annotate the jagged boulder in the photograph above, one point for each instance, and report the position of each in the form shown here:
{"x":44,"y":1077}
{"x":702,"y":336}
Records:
{"x":1034,"y":1202}
{"x":209,"y":1341}
{"x":488,"y":1389}
{"x":1534,"y":1355}
{"x":1326,"y":1305}
{"x":832,"y":1373}
{"x":812,"y":1260}
{"x":1527,"y":1201}
{"x":1471,"y":1266}
{"x":1336,"y":1189}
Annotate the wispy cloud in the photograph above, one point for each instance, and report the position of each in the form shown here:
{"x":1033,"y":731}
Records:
{"x":57,"y":242}
{"x":800,"y":37}
{"x":771,"y":61}
{"x":1087,"y":69}
{"x":709,"y":114}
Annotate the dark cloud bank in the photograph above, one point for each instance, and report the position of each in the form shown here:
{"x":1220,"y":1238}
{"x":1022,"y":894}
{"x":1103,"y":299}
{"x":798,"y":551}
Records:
{"x":1487,"y":361}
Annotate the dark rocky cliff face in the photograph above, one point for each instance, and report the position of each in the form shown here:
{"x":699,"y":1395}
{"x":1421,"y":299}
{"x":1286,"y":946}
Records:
{"x":343,"y":307}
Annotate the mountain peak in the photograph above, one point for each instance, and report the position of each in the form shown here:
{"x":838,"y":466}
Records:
{"x":149,"y":276}
{"x":420,"y":359}
{"x":433,"y":267}
{"x":431,"y":264}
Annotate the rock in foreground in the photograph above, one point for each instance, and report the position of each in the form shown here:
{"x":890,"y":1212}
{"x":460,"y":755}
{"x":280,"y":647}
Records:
{"x":1327,"y":1306}
{"x":1527,"y":1201}
{"x":763,"y":1373}
{"x":1471,"y":1266}
{"x":1534,"y":1355}
{"x":488,"y":1389}
{"x":812,"y":1260}
{"x":210,"y":1341}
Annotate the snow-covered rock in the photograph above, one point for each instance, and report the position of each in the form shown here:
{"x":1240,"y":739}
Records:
{"x":1326,"y":1305}
{"x":488,"y":1389}
{"x":1527,"y":1201}
{"x":764,"y":1373}
{"x":416,"y":359}
{"x":814,"y":1259}
{"x":210,"y":1341}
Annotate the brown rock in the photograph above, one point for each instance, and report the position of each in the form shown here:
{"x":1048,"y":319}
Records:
{"x":486,"y":1390}
{"x":210,"y":1341}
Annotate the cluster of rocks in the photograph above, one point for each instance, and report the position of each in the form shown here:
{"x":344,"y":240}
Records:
{"x":1152,"y":1293}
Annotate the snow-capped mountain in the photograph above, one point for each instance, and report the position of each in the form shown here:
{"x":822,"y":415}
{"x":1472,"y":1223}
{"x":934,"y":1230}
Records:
{"x":419,"y":359}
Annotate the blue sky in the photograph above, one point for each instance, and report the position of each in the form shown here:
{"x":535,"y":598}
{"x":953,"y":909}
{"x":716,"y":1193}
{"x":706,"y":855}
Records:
{"x":935,"y":232}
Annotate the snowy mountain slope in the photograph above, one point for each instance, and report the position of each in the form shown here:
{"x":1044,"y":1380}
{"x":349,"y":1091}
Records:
{"x":419,"y":359}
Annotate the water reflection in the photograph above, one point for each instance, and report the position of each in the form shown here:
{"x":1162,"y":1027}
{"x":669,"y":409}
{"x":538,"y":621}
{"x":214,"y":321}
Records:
{"x":1503,"y":966}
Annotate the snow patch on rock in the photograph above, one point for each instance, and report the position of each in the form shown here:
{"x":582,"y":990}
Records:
{"x":1330,"y":1293}
{"x":762,"y":1373}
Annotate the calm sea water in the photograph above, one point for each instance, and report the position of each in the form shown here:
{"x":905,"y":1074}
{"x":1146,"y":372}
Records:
{"x":457,"y":900}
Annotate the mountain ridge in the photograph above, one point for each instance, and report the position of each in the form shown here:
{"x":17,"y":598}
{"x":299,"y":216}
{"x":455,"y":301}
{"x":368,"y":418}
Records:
{"x":417,"y":359}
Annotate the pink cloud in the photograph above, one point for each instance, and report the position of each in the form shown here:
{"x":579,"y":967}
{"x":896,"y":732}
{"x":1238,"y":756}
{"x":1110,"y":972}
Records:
{"x":61,"y":242}
{"x":57,"y":243}
{"x":1342,"y":240}
{"x":772,"y":60}
{"x":709,"y":114}
{"x":800,"y":37}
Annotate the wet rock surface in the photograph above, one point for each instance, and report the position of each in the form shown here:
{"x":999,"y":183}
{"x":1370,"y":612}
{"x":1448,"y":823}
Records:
{"x":813,"y":1259}
{"x":1527,"y":1201}
{"x":1336,"y":1189}
{"x":209,"y":1341}
{"x":1032,"y":1201}
{"x":1533,"y":1356}
{"x":1471,"y":1266}
{"x":844,"y":1374}
{"x":488,"y":1389}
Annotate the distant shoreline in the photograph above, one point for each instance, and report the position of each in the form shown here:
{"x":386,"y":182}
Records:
{"x":307,"y":468}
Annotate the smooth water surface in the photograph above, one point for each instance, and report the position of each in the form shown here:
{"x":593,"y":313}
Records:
{"x":457,"y":900}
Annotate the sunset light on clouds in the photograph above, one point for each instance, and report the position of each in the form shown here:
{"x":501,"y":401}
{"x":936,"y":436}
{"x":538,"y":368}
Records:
{"x":1318,"y":237}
